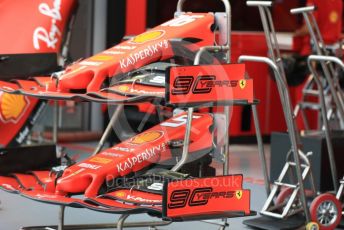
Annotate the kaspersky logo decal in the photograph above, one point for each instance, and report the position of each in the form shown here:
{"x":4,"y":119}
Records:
{"x":12,"y":107}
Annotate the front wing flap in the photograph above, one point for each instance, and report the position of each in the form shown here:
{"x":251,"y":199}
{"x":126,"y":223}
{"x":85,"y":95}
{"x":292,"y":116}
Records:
{"x":205,"y":198}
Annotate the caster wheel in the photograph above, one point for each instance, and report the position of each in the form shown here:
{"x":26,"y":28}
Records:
{"x":222,"y":228}
{"x":326,"y":211}
{"x":312,"y":226}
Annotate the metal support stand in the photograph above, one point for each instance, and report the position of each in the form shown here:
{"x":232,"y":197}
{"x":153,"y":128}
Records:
{"x":108,"y":129}
{"x":275,"y":62}
{"x":55,"y":122}
{"x":224,"y":48}
{"x":185,"y":153}
{"x":121,"y":221}
{"x":61,"y":218}
{"x":104,"y":226}
{"x":261,"y":150}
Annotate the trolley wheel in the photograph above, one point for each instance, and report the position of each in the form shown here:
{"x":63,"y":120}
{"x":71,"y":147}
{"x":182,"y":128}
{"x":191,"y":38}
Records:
{"x":326,"y":211}
{"x":312,"y":226}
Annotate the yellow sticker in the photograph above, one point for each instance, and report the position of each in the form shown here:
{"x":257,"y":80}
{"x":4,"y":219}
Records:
{"x":334,"y":17}
{"x":101,"y":58}
{"x":100,"y":160}
{"x":148,"y":36}
{"x":12,"y":107}
{"x":238,"y":194}
{"x":123,"y":88}
{"x":146,"y":137}
{"x":120,"y":194}
{"x":242,"y":84}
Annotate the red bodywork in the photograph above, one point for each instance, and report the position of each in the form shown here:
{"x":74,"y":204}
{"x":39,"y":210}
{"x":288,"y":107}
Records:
{"x":206,"y":197}
{"x":35,"y":26}
{"x":28,"y":27}
{"x":208,"y":84}
{"x":148,"y":148}
{"x":133,"y":155}
{"x":154,"y":45}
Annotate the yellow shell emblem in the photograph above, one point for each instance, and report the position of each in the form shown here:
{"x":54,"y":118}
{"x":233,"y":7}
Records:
{"x":334,"y":17}
{"x":12,"y":107}
{"x":148,"y":36}
{"x":146,"y":137}
{"x":120,"y":194}
{"x":101,"y":58}
{"x":238,"y":194}
{"x":100,"y":160}
{"x":123,"y":88}
{"x":242,"y":84}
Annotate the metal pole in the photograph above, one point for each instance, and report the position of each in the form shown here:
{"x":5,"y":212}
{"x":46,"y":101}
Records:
{"x":185,"y":152}
{"x":261,"y":150}
{"x":104,"y":226}
{"x":108,"y":129}
{"x":55,"y":121}
{"x":121,"y":221}
{"x":260,"y":144}
{"x":61,"y":218}
{"x":337,"y":61}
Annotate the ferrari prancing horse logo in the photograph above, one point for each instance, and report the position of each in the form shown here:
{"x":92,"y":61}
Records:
{"x":242,"y":84}
{"x":238,"y":194}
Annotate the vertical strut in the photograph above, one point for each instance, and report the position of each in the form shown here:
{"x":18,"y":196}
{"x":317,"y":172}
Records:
{"x":108,"y":129}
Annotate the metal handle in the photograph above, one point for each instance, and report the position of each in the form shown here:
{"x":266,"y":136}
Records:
{"x":320,"y":58}
{"x":259,"y":3}
{"x":185,"y":152}
{"x":269,"y":62}
{"x":301,"y":10}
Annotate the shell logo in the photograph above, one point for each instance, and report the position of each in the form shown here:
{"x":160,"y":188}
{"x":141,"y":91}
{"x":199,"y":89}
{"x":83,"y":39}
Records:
{"x":334,"y":17}
{"x":148,"y":36}
{"x":123,"y":88}
{"x":146,"y":137}
{"x":101,"y":58}
{"x":120,"y":194}
{"x":12,"y":107}
{"x":100,"y":160}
